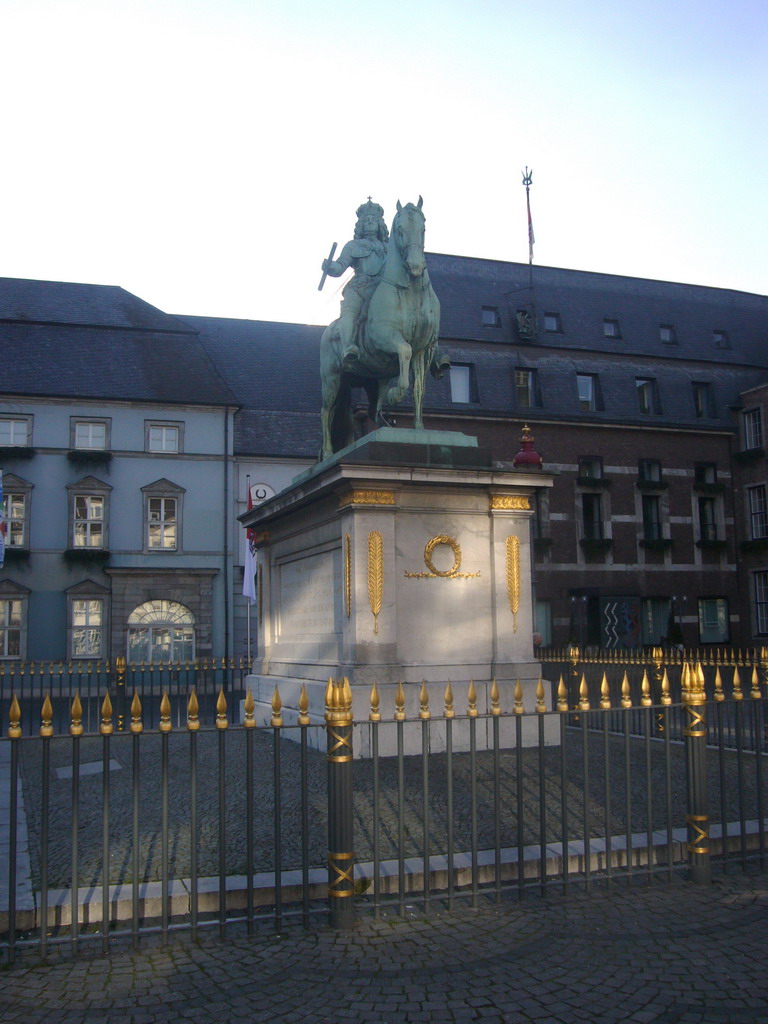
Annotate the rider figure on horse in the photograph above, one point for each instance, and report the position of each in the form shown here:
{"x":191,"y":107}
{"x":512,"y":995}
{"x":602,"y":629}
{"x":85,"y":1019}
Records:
{"x":365,"y":254}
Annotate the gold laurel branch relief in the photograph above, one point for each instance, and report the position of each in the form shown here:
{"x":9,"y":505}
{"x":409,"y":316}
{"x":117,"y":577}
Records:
{"x":348,"y":574}
{"x":510,"y":501}
{"x":375,"y":575}
{"x":513,"y":577}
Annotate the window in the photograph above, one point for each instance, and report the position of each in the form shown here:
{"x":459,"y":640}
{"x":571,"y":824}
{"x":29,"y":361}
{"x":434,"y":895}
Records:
{"x":753,"y":428}
{"x":705,"y":473}
{"x":88,"y":521}
{"x":651,"y":517}
{"x":553,"y":323}
{"x":88,"y":513}
{"x":591,"y":468}
{"x":721,"y":340}
{"x":588,"y":389}
{"x":162,"y":523}
{"x":758,"y":511}
{"x":87,"y":634}
{"x":90,"y":435}
{"x":647,"y":395}
{"x":490,"y":316}
{"x":462,"y":383}
{"x":611,"y":329}
{"x":707,"y":519}
{"x":655,"y":619}
{"x":13,"y":620}
{"x":761,"y":602}
{"x":527,"y":388}
{"x":163,"y":437}
{"x":649,"y":471}
{"x":15,"y":509}
{"x":667,"y":334}
{"x":161,"y":632}
{"x":703,"y":399}
{"x":162,"y":516}
{"x":713,"y":620}
{"x":10,"y":628}
{"x":15,"y":432}
{"x":542,"y":622}
{"x":592,"y":516}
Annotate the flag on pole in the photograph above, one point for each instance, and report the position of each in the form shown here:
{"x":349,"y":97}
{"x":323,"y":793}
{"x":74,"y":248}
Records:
{"x":249,"y":563}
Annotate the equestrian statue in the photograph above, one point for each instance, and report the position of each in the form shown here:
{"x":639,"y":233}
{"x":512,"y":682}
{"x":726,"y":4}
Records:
{"x":388,"y":323}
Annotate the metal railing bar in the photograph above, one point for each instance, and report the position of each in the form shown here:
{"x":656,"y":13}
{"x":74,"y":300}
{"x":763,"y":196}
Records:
{"x":304,"y":826}
{"x":75,"y":840}
{"x":374,"y":733}
{"x":425,"y":723}
{"x":193,"y":847}
{"x":520,"y":805}
{"x":449,"y":806}
{"x":278,"y":835}
{"x":164,"y":865}
{"x":497,"y":805}
{"x":648,"y":729}
{"x":105,"y":779}
{"x":222,"y":801}
{"x":585,"y":811}
{"x":473,"y":806}
{"x":401,"y":817}
{"x":607,"y":797}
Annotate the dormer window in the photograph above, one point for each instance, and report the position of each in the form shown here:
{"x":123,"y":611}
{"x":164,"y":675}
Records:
{"x":667,"y":334}
{"x":720,"y":338}
{"x":490,"y":316}
{"x":552,"y":323}
{"x":611,"y":329}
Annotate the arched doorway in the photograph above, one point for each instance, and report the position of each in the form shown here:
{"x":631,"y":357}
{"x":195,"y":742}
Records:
{"x":161,"y":632}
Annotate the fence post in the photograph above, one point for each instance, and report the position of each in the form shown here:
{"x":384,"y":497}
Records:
{"x":695,"y":732}
{"x":120,"y":692}
{"x":341,"y":857}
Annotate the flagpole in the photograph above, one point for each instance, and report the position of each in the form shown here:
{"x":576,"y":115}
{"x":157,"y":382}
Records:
{"x":528,"y":181}
{"x":245,"y":569}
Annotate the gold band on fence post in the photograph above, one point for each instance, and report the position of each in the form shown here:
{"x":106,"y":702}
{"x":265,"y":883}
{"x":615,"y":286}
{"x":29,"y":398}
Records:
{"x":695,"y":731}
{"x":341,"y":856}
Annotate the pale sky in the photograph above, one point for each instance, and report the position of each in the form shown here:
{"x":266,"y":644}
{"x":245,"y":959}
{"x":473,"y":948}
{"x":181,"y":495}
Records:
{"x":204,"y":155}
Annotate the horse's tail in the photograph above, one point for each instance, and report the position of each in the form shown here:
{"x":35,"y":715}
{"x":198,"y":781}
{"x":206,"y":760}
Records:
{"x":342,"y":424}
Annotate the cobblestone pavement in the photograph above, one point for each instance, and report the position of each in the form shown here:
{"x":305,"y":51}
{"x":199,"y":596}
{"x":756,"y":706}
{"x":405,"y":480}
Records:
{"x":677,"y":954}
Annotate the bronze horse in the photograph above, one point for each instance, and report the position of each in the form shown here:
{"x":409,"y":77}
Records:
{"x":398,"y":334}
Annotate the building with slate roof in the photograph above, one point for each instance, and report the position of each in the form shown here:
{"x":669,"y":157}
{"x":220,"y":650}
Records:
{"x":116,"y":444}
{"x":129,"y":438}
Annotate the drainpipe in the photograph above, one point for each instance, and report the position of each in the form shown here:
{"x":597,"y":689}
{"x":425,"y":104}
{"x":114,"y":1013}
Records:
{"x":226,"y":535}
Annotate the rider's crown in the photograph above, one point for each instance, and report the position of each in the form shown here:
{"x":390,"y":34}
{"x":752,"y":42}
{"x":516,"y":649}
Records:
{"x":370,"y":209}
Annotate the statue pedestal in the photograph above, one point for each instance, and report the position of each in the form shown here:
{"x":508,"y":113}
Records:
{"x":404,"y":558}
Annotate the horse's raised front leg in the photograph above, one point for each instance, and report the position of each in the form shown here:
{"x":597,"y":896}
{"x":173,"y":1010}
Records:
{"x":419,"y":370}
{"x":403,"y":350}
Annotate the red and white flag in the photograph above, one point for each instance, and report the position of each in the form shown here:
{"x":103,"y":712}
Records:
{"x":249,"y":562}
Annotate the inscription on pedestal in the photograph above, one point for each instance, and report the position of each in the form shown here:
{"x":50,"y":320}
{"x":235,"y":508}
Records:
{"x":306,"y":594}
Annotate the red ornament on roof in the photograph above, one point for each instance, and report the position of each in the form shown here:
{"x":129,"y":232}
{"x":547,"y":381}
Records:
{"x":527,"y":457}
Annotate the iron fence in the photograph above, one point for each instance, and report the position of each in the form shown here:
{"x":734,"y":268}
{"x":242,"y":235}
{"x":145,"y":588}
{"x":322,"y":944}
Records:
{"x":212,"y":823}
{"x":30,"y":681}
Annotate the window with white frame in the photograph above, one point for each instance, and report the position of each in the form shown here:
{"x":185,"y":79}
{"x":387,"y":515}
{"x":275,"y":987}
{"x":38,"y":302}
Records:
{"x":90,"y":435}
{"x":162,"y":523}
{"x":162,"y":516}
{"x":752,"y":421}
{"x":713,"y":620}
{"x":15,"y":431}
{"x":164,"y":437}
{"x":527,"y":388}
{"x":87,"y":624}
{"x":13,"y":620}
{"x":88,"y":523}
{"x":758,"y":511}
{"x":88,"y":511}
{"x":761,"y":602}
{"x":587,"y":387}
{"x":462,"y":383}
{"x":10,"y":628}
{"x":16,"y":503}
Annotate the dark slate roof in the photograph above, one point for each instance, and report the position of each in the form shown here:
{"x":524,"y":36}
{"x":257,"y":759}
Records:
{"x":584,"y":300}
{"x":278,"y":433}
{"x":267,"y":365}
{"x":94,"y":305}
{"x":160,"y":360}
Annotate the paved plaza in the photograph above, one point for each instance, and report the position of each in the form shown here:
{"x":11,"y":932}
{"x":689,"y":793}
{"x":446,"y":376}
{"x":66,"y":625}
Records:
{"x":668,"y":954}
